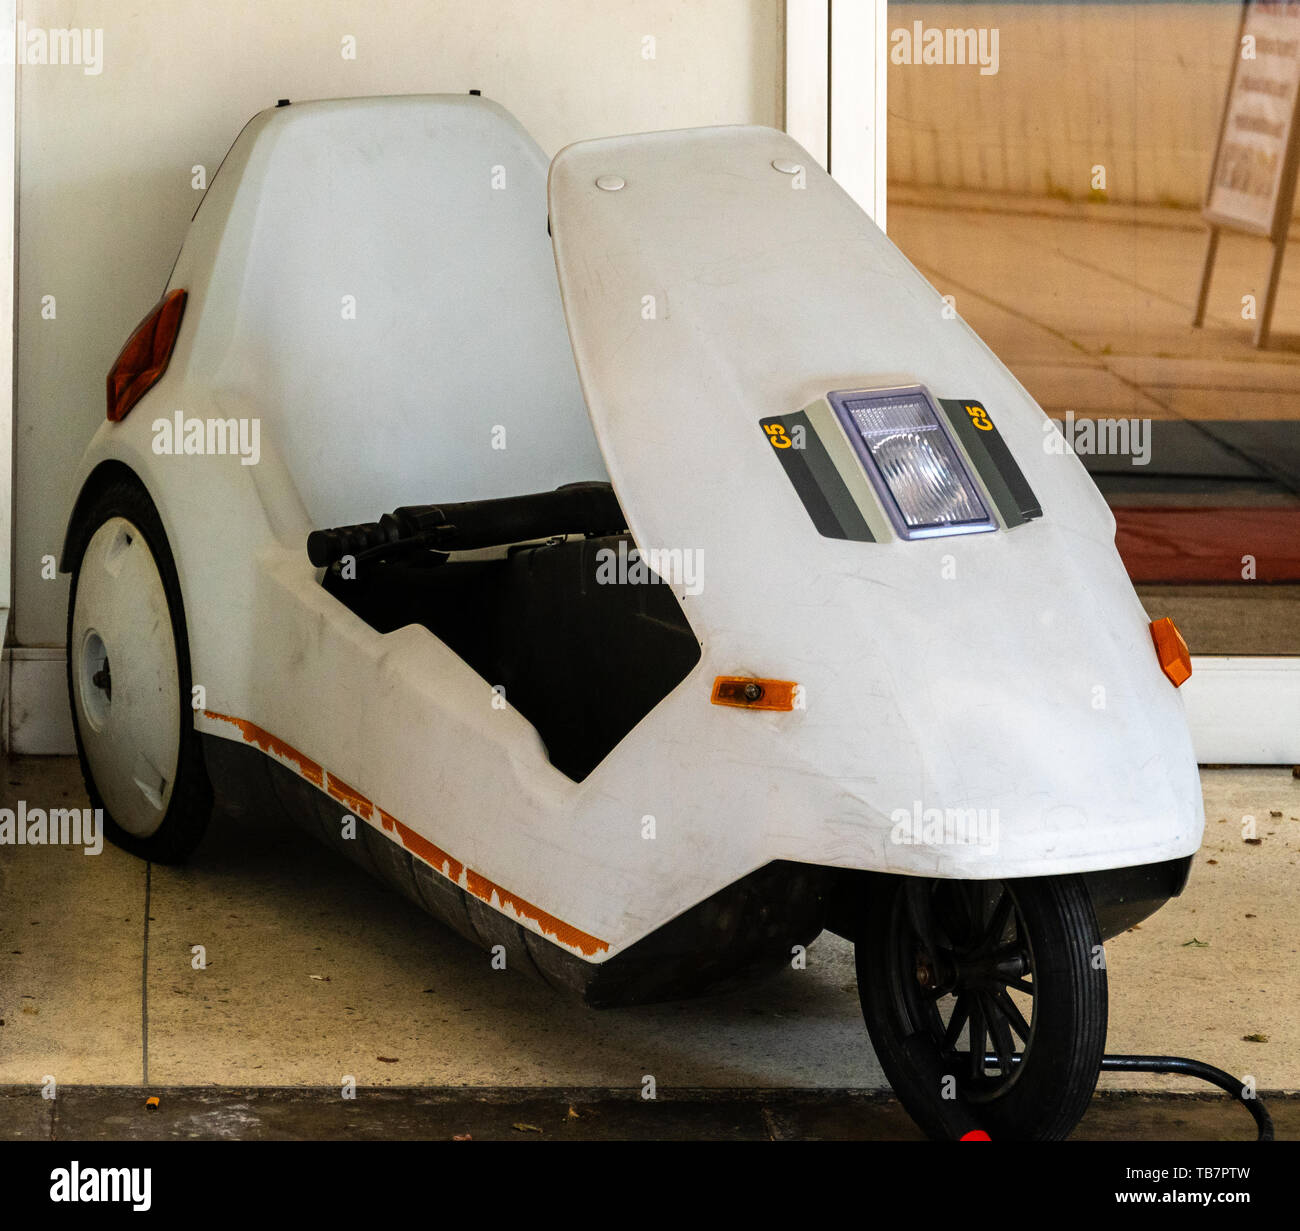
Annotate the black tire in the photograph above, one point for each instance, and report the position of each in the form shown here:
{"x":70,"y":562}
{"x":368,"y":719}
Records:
{"x":933,"y":951}
{"x":190,"y":805}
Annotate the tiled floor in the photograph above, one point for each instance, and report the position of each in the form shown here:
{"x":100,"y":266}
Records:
{"x":315,"y":973}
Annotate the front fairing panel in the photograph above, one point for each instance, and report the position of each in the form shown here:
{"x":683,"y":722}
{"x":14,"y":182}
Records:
{"x":1010,"y":670}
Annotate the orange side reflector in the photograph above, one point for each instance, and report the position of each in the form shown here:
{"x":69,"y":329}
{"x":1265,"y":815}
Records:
{"x":1171,"y":650}
{"x":142,"y":361}
{"x":752,"y":694}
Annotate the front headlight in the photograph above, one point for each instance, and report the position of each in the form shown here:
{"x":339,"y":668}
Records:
{"x":917,"y":470}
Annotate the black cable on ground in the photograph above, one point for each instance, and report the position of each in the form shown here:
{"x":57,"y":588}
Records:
{"x":1196,"y":1068}
{"x":1192,"y":1068}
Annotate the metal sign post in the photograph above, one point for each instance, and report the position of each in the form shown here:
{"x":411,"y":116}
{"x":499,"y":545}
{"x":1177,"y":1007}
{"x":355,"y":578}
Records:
{"x":1253,"y":180}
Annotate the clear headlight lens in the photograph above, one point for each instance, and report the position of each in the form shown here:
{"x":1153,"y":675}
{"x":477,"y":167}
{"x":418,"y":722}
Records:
{"x":907,"y":451}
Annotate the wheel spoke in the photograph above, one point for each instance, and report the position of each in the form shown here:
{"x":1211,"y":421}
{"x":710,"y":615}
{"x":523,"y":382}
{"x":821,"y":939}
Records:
{"x":1013,"y":1014}
{"x":1003,"y":1043}
{"x":1021,"y":985}
{"x":960,"y":1011}
{"x":973,"y":893}
{"x":976,"y":1039}
{"x":997,"y":924}
{"x":946,"y":915}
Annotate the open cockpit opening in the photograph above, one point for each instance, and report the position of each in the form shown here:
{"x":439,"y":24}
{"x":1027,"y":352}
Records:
{"x":520,"y":589}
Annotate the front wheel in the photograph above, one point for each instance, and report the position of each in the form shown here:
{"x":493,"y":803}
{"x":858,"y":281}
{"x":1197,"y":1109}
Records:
{"x":985,"y":1001}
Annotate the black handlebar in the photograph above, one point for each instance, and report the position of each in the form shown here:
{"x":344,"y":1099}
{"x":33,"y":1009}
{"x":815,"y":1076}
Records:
{"x":578,"y":508}
{"x":326,"y":547}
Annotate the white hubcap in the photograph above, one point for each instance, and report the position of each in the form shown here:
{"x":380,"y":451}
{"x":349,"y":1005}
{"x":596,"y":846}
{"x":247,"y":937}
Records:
{"x":126,"y":682}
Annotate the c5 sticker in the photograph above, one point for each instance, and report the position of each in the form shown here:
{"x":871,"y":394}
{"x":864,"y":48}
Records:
{"x":990,"y":456}
{"x":814,"y":477}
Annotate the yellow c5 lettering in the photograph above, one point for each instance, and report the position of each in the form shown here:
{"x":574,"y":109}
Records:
{"x":776,"y":434}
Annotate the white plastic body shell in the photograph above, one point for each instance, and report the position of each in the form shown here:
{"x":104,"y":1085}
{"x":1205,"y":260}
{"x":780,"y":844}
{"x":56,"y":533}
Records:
{"x":1010,"y":671}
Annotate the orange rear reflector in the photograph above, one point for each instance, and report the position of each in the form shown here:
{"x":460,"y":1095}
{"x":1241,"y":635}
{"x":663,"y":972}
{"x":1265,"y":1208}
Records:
{"x":752,"y":694}
{"x":1171,"y":650}
{"x":145,"y":356}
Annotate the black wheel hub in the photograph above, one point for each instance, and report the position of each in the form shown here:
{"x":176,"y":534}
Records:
{"x":969,"y":953}
{"x":103,"y":680}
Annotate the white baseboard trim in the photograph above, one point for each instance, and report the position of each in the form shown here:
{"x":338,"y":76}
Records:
{"x":39,"y":722}
{"x":1243,"y":711}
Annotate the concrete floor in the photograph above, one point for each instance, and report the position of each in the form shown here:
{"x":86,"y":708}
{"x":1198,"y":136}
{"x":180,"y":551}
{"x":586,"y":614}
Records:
{"x":316,"y":974}
{"x":422,"y":1113}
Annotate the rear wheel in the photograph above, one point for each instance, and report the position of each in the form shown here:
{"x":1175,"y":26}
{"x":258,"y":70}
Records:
{"x":986,"y":1002}
{"x":129,"y":680}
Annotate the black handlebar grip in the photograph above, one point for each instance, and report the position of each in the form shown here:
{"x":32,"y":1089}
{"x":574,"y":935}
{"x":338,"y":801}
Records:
{"x":327,"y":547}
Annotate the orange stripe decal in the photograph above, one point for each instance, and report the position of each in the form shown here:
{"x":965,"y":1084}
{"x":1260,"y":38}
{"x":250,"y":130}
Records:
{"x":422,"y":848}
{"x":267,"y":742}
{"x":466,"y":878}
{"x":355,"y":801}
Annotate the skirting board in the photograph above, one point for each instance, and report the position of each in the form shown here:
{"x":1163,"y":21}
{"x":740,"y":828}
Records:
{"x":1243,"y":711}
{"x":39,"y":721}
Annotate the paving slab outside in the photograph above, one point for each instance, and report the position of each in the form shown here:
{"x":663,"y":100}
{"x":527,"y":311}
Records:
{"x":315,"y":974}
{"x":1090,"y":305}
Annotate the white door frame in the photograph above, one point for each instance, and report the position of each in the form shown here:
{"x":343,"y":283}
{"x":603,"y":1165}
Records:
{"x":8,"y":294}
{"x":1244,"y":710}
{"x":835,"y":91}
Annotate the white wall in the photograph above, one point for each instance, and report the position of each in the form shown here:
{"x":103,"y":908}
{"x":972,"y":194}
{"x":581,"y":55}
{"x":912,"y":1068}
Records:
{"x":106,"y":160}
